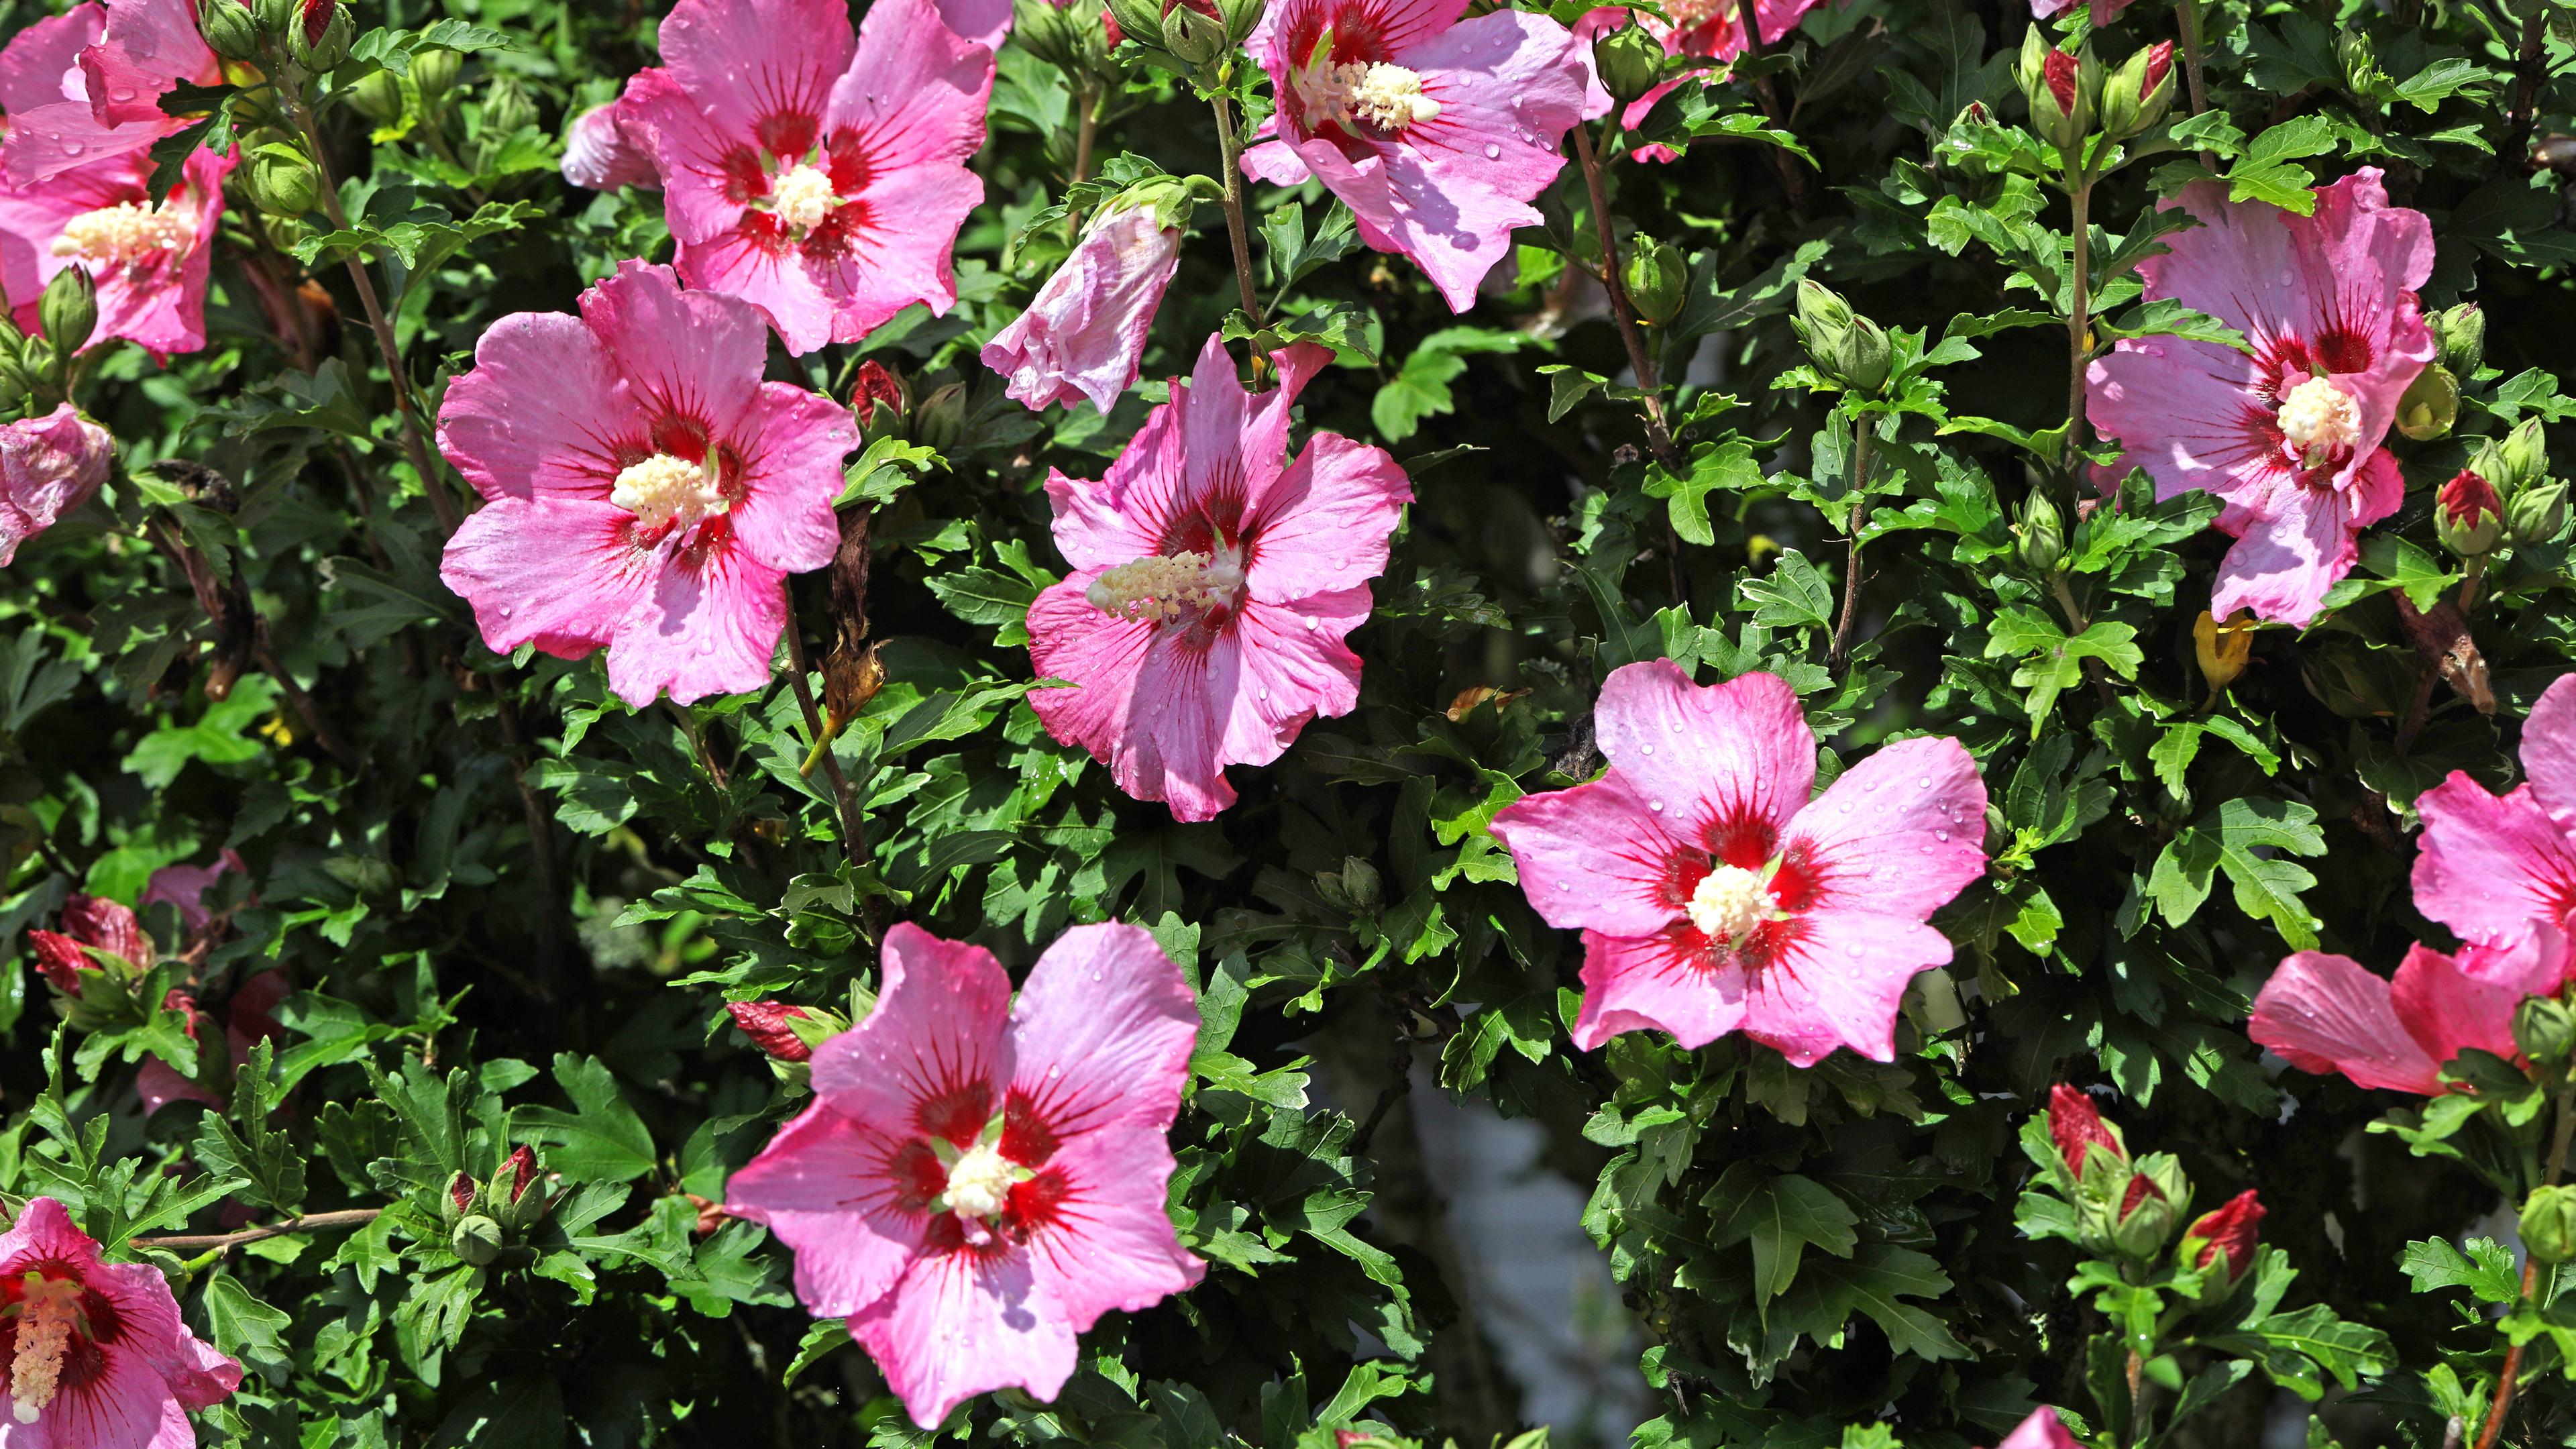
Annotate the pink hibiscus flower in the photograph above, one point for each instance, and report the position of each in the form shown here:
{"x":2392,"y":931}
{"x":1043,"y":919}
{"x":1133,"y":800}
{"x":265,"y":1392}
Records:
{"x":644,"y":490}
{"x":149,"y":260}
{"x":1706,"y":29}
{"x":96,"y":1355}
{"x":184,"y":888}
{"x":2290,"y":436}
{"x":1437,"y":131}
{"x":602,"y":150}
{"x":2326,"y":1013}
{"x":821,"y":178}
{"x":980,"y":1179}
{"x":2491,"y":865}
{"x":48,"y":467}
{"x":89,"y":923}
{"x":1084,"y":335}
{"x":1214,"y":580}
{"x":1715,"y":897}
{"x":2042,"y":1430}
{"x":88,"y":85}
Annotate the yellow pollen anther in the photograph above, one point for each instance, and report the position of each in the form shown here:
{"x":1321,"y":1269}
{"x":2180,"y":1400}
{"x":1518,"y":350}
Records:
{"x":979,"y":1182}
{"x":2319,"y":418}
{"x":1162,"y":589}
{"x":1692,"y":14}
{"x":802,"y":196}
{"x":1369,"y":93}
{"x":127,"y":232}
{"x":1729,"y":902}
{"x":664,"y":489}
{"x":47,"y":1317}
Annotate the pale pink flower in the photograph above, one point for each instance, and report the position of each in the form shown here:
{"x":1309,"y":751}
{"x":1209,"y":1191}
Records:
{"x":48,"y":467}
{"x":2289,"y":437}
{"x":149,"y":260}
{"x":1715,"y":897}
{"x":1437,"y":131}
{"x":2042,"y":1430}
{"x":2326,"y":1013}
{"x":985,"y":22}
{"x":74,"y":105}
{"x":979,"y":1179}
{"x":96,"y":1355}
{"x":1084,"y":335}
{"x":2491,"y":865}
{"x":1214,"y":580}
{"x":602,"y":152}
{"x":821,"y":178}
{"x":644,"y":490}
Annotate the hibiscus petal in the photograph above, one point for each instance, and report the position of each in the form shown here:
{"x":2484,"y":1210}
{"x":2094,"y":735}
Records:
{"x":2186,"y":412}
{"x":43,"y":1232}
{"x":1594,"y":857}
{"x":2488,"y":867}
{"x":2286,"y":561}
{"x":828,"y":1187}
{"x":38,"y":58}
{"x":2323,"y":1013}
{"x":1083,"y":336}
{"x":961,"y":1324}
{"x":2447,"y":1011}
{"x":1665,"y":982}
{"x":1103,"y":523}
{"x":1721,"y":760}
{"x":1071,"y":640}
{"x":932,"y":1054}
{"x":692,"y":354}
{"x":1234,"y":444}
{"x":709,"y":626}
{"x":2549,"y":751}
{"x":744,"y":62}
{"x":1836,"y":978}
{"x":1101,"y":1036}
{"x":902,"y":253}
{"x":560,"y":575}
{"x":1108,"y":1240}
{"x":1899,"y":833}
{"x":1289,"y":665}
{"x":785,"y":520}
{"x":544,"y":412}
{"x":1325,"y":523}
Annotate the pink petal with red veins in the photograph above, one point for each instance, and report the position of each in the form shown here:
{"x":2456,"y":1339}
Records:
{"x":2325,"y":1014}
{"x":917,"y":91}
{"x":1900,"y":833}
{"x":1730,"y":763}
{"x":1594,"y":857}
{"x":798,"y":440}
{"x":1234,"y":444}
{"x":543,"y":414}
{"x":984,"y":22}
{"x":162,"y":307}
{"x":962,"y":1324}
{"x":2447,"y":1011}
{"x":1101,"y":657}
{"x":1290,"y":666}
{"x":2549,"y":751}
{"x":2488,"y":867}
{"x":693,"y":355}
{"x":36,"y":69}
{"x":1101,"y":1038}
{"x":934,"y":1054}
{"x":1109,"y":1242}
{"x":1667,"y":982}
{"x":1326,"y":523}
{"x":44,"y":1232}
{"x":1101,"y":523}
{"x":833,"y":1190}
{"x":709,"y":626}
{"x":1276,"y":162}
{"x":1836,"y":978}
{"x":2186,"y":412}
{"x":1170,"y":752}
{"x":903,"y":248}
{"x":2288,"y":558}
{"x":109,"y":925}
{"x":559,"y":574}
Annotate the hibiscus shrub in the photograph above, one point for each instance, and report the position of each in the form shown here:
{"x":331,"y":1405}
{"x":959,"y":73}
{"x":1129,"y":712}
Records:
{"x":865,"y":721}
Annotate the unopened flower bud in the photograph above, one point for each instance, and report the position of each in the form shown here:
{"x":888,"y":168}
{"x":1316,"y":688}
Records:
{"x":69,"y":310}
{"x":1657,"y":278}
{"x":2522,"y":458}
{"x":2359,"y":60}
{"x":2461,"y":334}
{"x":1629,"y":61}
{"x":1356,"y":887}
{"x":1195,"y":37}
{"x":2140,"y":92}
{"x":2467,"y":516}
{"x":1848,"y":348}
{"x":1137,"y":20}
{"x":320,"y":35}
{"x":230,"y":29}
{"x":476,"y":1239}
{"x":2076,"y":1126}
{"x":433,"y":74}
{"x":2429,"y":405}
{"x":2222,"y":648}
{"x":460,"y":1196}
{"x":276,"y":17}
{"x":15,"y":383}
{"x":378,"y":96}
{"x":2549,"y":1223}
{"x":2060,"y":89}
{"x":767,"y":1024}
{"x":2544,"y":1029}
{"x":876,"y":399}
{"x":2536,"y":512}
{"x":506,"y":108}
{"x":2229,"y":1233}
{"x":2042,"y":534}
{"x":281,"y":181}
{"x":940,"y":420}
{"x":1241,"y":18}
{"x":2146,"y":1221}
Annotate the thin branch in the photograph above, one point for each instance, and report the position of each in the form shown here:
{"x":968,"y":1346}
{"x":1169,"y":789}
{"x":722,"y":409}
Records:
{"x":854,"y":838}
{"x":2079,"y":320}
{"x":1839,"y":658}
{"x":541,"y":848}
{"x":1230,"y":149}
{"x":1659,"y":436}
{"x":309,"y":1222}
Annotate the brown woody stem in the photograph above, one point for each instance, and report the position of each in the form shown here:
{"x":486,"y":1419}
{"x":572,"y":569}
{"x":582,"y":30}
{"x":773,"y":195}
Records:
{"x":1659,"y":435}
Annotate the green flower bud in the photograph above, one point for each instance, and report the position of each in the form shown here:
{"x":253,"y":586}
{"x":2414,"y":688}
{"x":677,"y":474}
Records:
{"x":15,"y":382}
{"x":941,"y":418}
{"x":506,"y":108}
{"x":1657,"y":278}
{"x":2545,"y":1029}
{"x":2430,"y":404}
{"x":2467,"y":516}
{"x":276,"y":17}
{"x":2461,"y":333}
{"x":320,"y":37}
{"x":1848,"y":348}
{"x":433,"y":74}
{"x":1194,"y":38}
{"x":1629,"y":62}
{"x":2140,"y":92}
{"x":476,"y":1239}
{"x":69,"y":310}
{"x":2522,"y":458}
{"x":2549,"y":1224}
{"x":1048,"y":31}
{"x":2146,"y":1227}
{"x":1140,"y":21}
{"x":1356,"y":887}
{"x":2359,"y":60}
{"x":378,"y":97}
{"x":2536,"y":513}
{"x":1241,"y":18}
{"x":2042,"y":534}
{"x":230,"y":29}
{"x":281,"y":181}
{"x":2061,"y":90}
{"x":2356,"y":681}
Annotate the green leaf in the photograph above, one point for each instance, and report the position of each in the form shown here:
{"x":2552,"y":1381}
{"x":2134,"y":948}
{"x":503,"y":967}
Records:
{"x":1729,"y":465}
{"x":1793,"y":595}
{"x":1781,"y":1216}
{"x":2236,"y":839}
{"x":601,"y":1139}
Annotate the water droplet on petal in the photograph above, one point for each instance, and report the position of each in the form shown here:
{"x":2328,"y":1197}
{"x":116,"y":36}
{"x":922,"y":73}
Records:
{"x":73,"y":148}
{"x":1493,"y":152}
{"x":1941,"y":835}
{"x":1923,"y":784}
{"x":1656,"y":805}
{"x":1852,"y":950}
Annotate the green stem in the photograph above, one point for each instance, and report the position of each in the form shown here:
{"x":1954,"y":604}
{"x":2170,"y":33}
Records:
{"x":2079,"y":321}
{"x":1231,"y":150}
{"x":1839,"y":657}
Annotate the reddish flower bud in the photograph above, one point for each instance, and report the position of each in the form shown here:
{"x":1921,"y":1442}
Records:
{"x":2140,"y":1189}
{"x":765,"y":1022}
{"x":2230,"y":1230}
{"x":2468,"y":516}
{"x":519,"y":1171}
{"x":2159,"y":65}
{"x":1203,"y":7}
{"x":2076,"y":1126}
{"x":1109,"y":27}
{"x":2060,"y":70}
{"x":315,"y":17}
{"x":1345,"y":1438}
{"x":110,"y":927}
{"x":877,"y":389}
{"x":460,"y":1191}
{"x":61,"y":959}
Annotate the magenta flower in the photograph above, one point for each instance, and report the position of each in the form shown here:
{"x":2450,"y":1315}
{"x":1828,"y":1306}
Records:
{"x":89,"y":923}
{"x":2288,"y":437}
{"x":2042,"y":1430}
{"x":1437,"y":131}
{"x":1084,"y":335}
{"x":2325,"y":1013}
{"x":184,"y":887}
{"x":2492,"y":865}
{"x":602,"y":150}
{"x":980,"y":1179}
{"x":97,"y":1356}
{"x":818,"y":177}
{"x":249,"y":1018}
{"x":87,"y":86}
{"x":1715,"y":897}
{"x":1214,"y":580}
{"x":984,"y":22}
{"x":48,"y":467}
{"x":644,"y":490}
{"x":149,"y":261}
